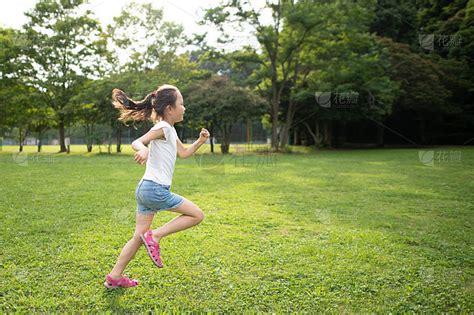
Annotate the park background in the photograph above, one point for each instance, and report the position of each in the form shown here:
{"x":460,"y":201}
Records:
{"x":338,"y":177}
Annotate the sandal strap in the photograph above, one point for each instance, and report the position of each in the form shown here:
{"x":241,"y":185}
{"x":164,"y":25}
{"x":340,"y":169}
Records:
{"x":152,"y":243}
{"x":124,"y":281}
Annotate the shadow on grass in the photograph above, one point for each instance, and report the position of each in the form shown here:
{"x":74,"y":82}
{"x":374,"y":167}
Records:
{"x":113,"y":296}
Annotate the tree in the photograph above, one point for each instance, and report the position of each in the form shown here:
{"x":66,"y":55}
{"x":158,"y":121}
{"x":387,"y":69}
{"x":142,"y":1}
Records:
{"x":396,"y":19}
{"x":9,"y":80}
{"x":218,"y":104}
{"x":422,"y":90}
{"x":279,"y":52}
{"x":64,"y":47}
{"x":17,"y":100}
{"x":41,"y":117}
{"x":449,"y":60}
{"x":452,"y":25}
{"x":343,"y":60}
{"x":141,"y":33}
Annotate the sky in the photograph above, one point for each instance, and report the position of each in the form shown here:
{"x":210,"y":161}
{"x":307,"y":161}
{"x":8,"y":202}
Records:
{"x":185,"y":12}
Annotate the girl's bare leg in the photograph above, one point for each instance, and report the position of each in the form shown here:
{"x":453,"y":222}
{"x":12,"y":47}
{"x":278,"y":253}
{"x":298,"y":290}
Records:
{"x":190,"y":216}
{"x":143,"y":222}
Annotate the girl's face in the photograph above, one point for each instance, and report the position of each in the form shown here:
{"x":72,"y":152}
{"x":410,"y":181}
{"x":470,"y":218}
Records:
{"x":177,"y":112}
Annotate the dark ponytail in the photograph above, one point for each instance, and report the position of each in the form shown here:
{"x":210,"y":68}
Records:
{"x":131,"y":110}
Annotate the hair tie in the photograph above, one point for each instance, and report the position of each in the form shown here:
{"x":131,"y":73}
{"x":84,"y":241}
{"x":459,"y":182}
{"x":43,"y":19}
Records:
{"x":153,"y":94}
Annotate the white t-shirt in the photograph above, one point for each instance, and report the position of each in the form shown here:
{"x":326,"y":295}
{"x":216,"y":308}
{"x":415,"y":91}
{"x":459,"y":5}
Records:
{"x":162,"y":155}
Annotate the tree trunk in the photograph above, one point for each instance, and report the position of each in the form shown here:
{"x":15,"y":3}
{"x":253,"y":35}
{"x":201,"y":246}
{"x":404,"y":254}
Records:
{"x":287,"y":125}
{"x":119,"y":138}
{"x":380,"y":136}
{"x":314,"y":135}
{"x":39,"y":140}
{"x":296,"y":138}
{"x":225,"y":145}
{"x":109,"y":139}
{"x":21,"y":140}
{"x":319,"y":134}
{"x":327,"y":140}
{"x":224,"y":148}
{"x":274,"y":115}
{"x":211,"y":131}
{"x":249,"y":126}
{"x":89,"y":138}
{"x":62,"y":142}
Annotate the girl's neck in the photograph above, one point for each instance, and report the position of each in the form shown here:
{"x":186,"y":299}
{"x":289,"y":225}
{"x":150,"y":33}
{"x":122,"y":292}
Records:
{"x":169,"y":121}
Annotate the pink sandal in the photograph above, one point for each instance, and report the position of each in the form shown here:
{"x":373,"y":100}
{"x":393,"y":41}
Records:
{"x":152,"y":248}
{"x":123,"y":282}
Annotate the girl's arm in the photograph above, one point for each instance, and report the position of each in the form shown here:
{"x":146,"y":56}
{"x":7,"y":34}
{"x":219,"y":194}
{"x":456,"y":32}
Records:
{"x":140,"y":144}
{"x":184,"y":153}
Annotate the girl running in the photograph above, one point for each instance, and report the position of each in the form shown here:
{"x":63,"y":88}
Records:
{"x":165,"y":108}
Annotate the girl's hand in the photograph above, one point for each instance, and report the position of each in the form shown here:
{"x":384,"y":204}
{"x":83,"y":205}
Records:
{"x":204,"y":135}
{"x":141,"y":156}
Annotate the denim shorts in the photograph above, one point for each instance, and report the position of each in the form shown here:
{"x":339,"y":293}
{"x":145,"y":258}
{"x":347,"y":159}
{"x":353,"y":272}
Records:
{"x":153,"y":197}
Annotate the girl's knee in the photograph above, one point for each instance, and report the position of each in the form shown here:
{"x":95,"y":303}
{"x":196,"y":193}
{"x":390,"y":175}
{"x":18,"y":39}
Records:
{"x":136,"y":237}
{"x":199,"y":215}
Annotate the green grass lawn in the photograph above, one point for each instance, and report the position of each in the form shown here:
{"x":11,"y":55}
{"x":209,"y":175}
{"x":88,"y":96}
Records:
{"x":340,"y":231}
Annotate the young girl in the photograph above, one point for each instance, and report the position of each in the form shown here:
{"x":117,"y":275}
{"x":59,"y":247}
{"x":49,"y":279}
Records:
{"x":165,"y":107}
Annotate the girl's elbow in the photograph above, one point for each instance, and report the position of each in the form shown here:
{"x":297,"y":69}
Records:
{"x":137,"y":145}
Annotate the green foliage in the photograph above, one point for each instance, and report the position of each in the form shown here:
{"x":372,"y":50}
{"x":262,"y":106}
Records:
{"x":65,"y":48}
{"x":145,"y":37}
{"x":217,"y":103}
{"x":396,"y":20}
{"x":422,"y":88}
{"x":10,"y":85}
